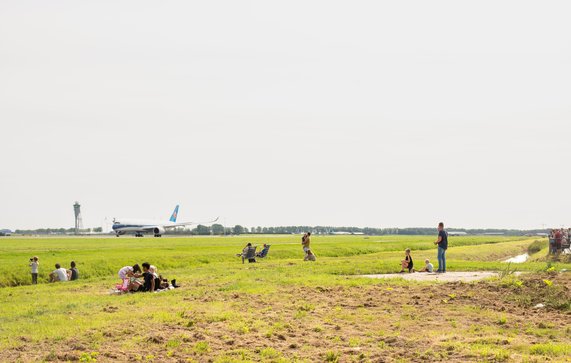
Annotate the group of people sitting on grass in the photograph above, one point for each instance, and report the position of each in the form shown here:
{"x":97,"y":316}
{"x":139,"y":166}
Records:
{"x":60,"y":274}
{"x":147,"y":280}
{"x":559,"y":240}
{"x":408,"y":264}
{"x":249,"y":252}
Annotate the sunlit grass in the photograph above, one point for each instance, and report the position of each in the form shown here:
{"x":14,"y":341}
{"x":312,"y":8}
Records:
{"x":214,"y":278}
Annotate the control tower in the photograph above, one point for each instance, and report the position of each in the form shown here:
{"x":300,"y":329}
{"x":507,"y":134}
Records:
{"x":78,"y":220}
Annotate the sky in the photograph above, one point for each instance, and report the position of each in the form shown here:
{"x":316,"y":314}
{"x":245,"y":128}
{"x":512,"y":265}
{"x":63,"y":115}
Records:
{"x":265,"y":113}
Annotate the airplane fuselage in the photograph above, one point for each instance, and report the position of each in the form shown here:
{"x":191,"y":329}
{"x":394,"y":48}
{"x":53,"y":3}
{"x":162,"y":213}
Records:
{"x":140,"y":227}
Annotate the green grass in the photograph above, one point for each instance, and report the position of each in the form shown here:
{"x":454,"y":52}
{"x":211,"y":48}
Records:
{"x":102,"y":257}
{"x":215,"y":283}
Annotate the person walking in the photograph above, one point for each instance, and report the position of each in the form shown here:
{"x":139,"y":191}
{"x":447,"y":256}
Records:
{"x":442,"y":243}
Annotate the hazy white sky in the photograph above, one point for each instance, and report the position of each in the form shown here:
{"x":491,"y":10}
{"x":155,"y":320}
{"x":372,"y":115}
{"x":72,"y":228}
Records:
{"x":368,"y":113}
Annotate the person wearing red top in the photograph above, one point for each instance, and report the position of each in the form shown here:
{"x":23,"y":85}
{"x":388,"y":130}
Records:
{"x":558,"y":238}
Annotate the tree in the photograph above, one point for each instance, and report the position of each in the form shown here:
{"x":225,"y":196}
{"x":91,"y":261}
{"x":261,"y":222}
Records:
{"x":217,"y":229}
{"x":238,"y":229}
{"x":202,"y":230}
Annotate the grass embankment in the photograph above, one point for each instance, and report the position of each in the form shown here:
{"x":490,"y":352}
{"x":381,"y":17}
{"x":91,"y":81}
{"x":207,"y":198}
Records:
{"x":281,"y":308}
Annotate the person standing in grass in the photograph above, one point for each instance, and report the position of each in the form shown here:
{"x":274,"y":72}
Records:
{"x":305,"y":241}
{"x":558,"y":240}
{"x":442,"y":243}
{"x":552,"y":242}
{"x":35,"y":265}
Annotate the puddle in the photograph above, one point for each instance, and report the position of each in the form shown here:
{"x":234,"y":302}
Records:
{"x":518,"y":258}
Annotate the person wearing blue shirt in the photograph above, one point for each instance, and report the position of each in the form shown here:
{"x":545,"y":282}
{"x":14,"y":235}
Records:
{"x":442,"y":243}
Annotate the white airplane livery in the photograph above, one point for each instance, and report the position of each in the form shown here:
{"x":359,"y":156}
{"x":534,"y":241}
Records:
{"x":140,"y":227}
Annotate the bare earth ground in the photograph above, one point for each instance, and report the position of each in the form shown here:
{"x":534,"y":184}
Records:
{"x":452,"y":322}
{"x":446,"y":277}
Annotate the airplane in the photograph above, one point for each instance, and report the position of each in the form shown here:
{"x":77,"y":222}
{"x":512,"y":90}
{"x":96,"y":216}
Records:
{"x":140,"y":227}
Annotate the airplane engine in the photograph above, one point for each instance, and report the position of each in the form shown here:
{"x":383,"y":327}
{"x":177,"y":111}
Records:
{"x":158,"y":231}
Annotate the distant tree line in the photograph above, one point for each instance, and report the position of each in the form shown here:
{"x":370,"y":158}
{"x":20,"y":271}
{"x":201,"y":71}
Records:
{"x":219,"y":230}
{"x":58,"y":230}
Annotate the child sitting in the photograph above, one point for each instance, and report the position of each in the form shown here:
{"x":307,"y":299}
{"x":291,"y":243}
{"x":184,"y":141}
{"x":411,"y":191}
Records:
{"x":428,"y":267}
{"x":309,"y":256}
{"x":407,"y":262}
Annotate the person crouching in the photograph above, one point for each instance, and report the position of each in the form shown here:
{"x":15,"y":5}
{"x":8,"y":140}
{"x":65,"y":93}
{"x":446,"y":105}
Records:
{"x":407,"y":263}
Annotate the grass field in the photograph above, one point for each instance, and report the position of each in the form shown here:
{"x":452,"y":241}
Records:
{"x":282,"y":309}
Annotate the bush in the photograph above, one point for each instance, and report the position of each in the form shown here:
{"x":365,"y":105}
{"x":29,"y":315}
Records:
{"x":536,"y":246}
{"x":332,"y":357}
{"x":550,"y":349}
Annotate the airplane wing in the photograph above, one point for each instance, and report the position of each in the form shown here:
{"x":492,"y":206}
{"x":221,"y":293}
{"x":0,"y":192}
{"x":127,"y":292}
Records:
{"x":190,"y":223}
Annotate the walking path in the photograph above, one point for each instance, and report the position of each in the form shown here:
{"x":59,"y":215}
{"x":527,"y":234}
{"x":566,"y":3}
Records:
{"x":446,"y":277}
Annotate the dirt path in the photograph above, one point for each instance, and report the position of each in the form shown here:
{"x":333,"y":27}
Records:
{"x":446,"y":277}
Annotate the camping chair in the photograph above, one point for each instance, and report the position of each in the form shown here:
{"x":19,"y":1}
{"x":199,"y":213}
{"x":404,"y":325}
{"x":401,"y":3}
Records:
{"x":250,"y":254}
{"x":263,"y":253}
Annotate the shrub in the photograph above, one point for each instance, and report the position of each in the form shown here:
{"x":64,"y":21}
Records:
{"x":536,"y":246}
{"x":202,"y":347}
{"x":332,"y":357}
{"x":550,"y":349}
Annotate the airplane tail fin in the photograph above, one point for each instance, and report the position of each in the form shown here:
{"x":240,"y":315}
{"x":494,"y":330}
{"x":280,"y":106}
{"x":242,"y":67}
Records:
{"x":174,"y":214}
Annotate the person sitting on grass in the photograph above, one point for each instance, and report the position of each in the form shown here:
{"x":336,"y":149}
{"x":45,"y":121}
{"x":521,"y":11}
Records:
{"x":248,"y":252}
{"x":153,"y":269}
{"x":160,"y":282}
{"x":245,"y":249}
{"x":428,"y":267}
{"x":150,"y":284}
{"x":263,"y":253}
{"x":74,"y":272}
{"x":407,"y":262}
{"x":59,"y":274}
{"x":309,"y":256}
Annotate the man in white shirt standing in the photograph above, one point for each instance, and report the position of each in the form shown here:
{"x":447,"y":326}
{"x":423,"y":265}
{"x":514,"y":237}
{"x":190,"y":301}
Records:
{"x":59,"y":274}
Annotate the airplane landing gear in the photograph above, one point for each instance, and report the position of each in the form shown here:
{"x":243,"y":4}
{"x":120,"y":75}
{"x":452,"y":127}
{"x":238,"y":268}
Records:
{"x":138,"y":235}
{"x":158,"y":235}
